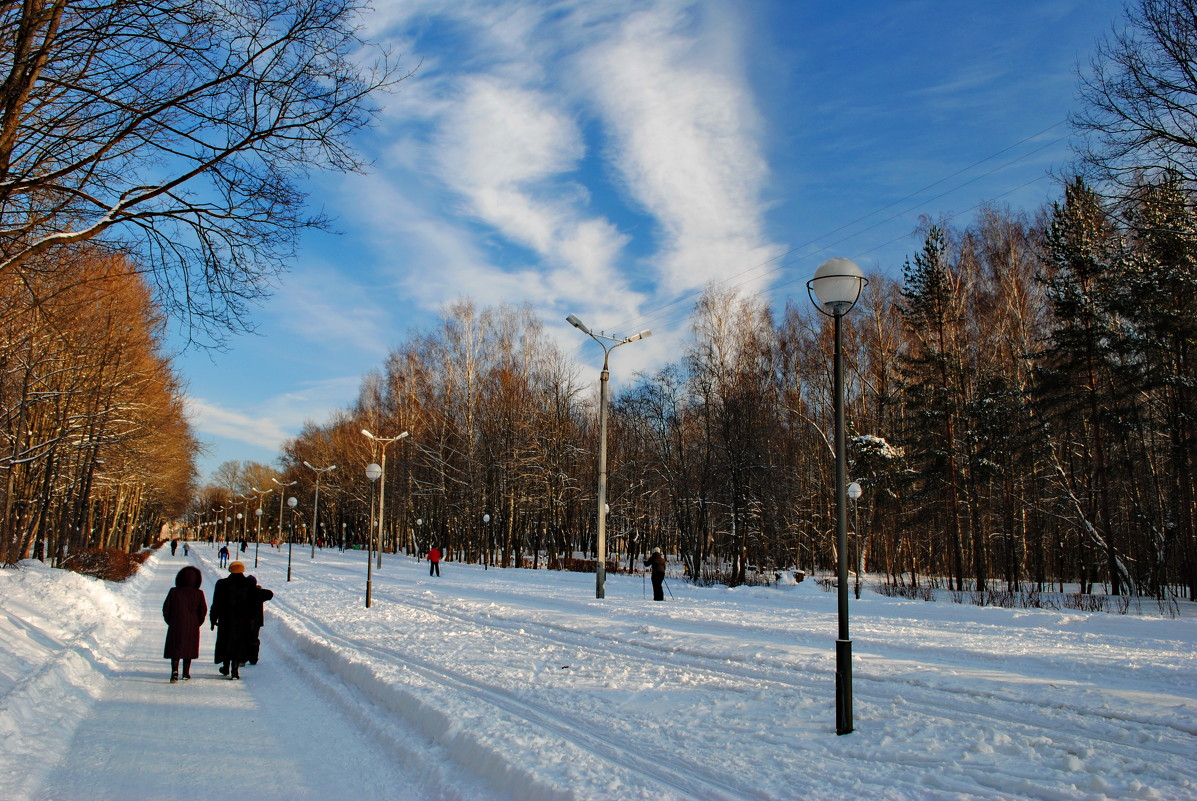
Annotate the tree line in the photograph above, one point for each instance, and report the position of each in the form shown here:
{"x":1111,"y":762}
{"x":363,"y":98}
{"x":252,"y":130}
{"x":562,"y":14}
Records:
{"x":1019,"y":407}
{"x":97,"y":449}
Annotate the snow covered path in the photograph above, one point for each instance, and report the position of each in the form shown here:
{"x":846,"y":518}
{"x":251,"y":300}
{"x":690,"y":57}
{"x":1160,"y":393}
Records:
{"x":211,"y":738}
{"x":518,"y":684}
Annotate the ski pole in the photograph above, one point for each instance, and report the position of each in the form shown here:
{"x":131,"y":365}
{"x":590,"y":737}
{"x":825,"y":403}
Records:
{"x":643,"y":592}
{"x":666,"y":583}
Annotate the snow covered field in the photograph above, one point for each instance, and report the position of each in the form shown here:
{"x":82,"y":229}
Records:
{"x":517,"y":684}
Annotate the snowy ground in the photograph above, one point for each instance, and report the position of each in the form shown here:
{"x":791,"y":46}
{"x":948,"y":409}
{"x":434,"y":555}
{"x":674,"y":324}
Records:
{"x":513,"y":684}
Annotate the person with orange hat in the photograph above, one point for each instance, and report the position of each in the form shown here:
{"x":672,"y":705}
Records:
{"x":232,"y":615}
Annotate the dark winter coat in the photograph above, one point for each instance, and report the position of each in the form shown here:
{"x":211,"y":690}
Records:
{"x":232,"y":615}
{"x":657,"y":562}
{"x":184,"y":611}
{"x":258,"y":598}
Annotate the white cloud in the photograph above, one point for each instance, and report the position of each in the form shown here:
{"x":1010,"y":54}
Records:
{"x":210,"y":419}
{"x":491,"y":160}
{"x":685,"y":139}
{"x":275,"y":419}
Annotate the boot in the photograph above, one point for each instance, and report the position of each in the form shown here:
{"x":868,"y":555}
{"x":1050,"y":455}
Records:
{"x":174,"y":677}
{"x":224,"y":669}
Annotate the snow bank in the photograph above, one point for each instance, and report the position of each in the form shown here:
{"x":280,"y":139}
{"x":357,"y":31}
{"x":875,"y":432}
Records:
{"x":62,"y":634}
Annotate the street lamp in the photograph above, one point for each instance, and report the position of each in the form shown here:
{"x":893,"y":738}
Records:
{"x":382,"y":487}
{"x":854,"y":493}
{"x":373,"y":471}
{"x":487,"y":557}
{"x":316,"y":505}
{"x":292,"y":502}
{"x":834,"y":290}
{"x":280,"y":503}
{"x":258,"y":537}
{"x":600,"y":569}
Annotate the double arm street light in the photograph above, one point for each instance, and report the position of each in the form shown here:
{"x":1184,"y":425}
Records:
{"x":292,"y":502}
{"x":280,"y":503}
{"x":600,"y":568}
{"x":834,"y":290}
{"x":375,"y":472}
{"x":258,"y":537}
{"x":316,"y":505}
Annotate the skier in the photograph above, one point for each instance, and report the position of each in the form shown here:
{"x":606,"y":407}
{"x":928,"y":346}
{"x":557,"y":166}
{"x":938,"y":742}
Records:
{"x":434,"y":561}
{"x":657,"y":562}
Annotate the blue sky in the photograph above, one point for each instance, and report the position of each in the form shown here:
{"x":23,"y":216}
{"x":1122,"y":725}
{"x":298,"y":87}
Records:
{"x":610,"y":158}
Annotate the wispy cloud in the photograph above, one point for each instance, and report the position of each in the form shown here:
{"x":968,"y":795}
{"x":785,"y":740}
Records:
{"x":276,"y":419}
{"x":644,"y":102}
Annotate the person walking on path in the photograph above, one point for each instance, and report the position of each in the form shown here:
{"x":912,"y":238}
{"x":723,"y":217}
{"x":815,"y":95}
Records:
{"x":231,"y":614}
{"x":224,"y":555}
{"x":174,"y":546}
{"x":184,"y":611}
{"x":186,"y":550}
{"x":258,"y":597}
{"x":656,"y":561}
{"x":434,"y":561}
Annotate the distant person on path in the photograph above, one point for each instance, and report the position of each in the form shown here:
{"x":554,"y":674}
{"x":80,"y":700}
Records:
{"x":258,"y":598}
{"x":244,"y":545}
{"x":184,"y":611}
{"x":186,"y":550}
{"x":434,"y":561}
{"x":174,"y":546}
{"x":224,"y":555}
{"x":656,"y":561}
{"x":232,"y":611}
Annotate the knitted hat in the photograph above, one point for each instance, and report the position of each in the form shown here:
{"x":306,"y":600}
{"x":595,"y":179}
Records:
{"x":656,"y":550}
{"x":236,"y":567}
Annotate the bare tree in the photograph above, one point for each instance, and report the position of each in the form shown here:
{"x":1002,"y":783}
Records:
{"x":177,"y":130}
{"x":1140,"y":99}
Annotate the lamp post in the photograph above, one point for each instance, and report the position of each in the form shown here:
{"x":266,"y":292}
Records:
{"x":280,"y":503}
{"x":373,"y":471}
{"x":854,"y":493}
{"x":316,"y":505}
{"x":600,"y":568}
{"x":382,"y":487}
{"x":258,"y":537}
{"x":292,"y":502}
{"x":487,"y":557}
{"x":834,"y":290}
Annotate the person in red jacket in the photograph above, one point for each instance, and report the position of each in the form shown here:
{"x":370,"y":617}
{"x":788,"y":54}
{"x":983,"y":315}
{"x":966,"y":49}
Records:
{"x":184,"y":611}
{"x":434,"y":561}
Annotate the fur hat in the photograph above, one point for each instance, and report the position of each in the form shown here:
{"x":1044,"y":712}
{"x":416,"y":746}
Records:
{"x":236,"y":567}
{"x":656,"y":550}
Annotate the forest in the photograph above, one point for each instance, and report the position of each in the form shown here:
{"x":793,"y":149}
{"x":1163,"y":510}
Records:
{"x":1018,"y":409}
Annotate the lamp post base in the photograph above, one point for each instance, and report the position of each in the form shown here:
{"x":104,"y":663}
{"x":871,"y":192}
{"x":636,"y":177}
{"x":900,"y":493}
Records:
{"x":843,"y":686}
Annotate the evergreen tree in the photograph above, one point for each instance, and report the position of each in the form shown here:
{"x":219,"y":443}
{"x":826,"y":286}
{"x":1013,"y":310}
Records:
{"x":931,"y":311}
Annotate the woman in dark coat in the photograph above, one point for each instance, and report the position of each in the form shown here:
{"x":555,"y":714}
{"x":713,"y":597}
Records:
{"x":184,"y":610}
{"x":232,"y":614}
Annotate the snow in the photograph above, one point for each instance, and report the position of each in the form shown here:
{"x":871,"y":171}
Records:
{"x":519,"y":684}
